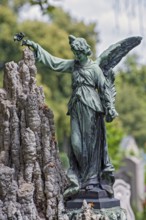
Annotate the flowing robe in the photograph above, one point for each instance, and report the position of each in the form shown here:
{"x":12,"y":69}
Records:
{"x":89,"y":101}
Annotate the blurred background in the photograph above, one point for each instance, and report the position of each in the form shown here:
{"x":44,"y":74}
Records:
{"x":101,"y":23}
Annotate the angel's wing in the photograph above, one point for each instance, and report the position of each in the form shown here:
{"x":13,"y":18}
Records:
{"x":108,"y":60}
{"x":112,"y":56}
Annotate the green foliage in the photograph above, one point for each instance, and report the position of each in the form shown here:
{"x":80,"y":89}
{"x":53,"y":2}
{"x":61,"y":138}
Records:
{"x":131,"y":99}
{"x":1,"y":79}
{"x":45,"y":5}
{"x":75,"y":27}
{"x":115,"y":133}
{"x":145,"y":181}
{"x":14,"y":5}
{"x":7,"y":48}
{"x":64,"y":160}
{"x":140,"y":215}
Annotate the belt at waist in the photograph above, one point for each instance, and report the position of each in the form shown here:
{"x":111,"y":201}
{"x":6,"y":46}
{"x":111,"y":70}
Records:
{"x":82,"y":84}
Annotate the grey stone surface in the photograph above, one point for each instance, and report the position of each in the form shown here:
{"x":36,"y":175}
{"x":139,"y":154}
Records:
{"x":129,"y":145}
{"x":31,"y":176}
{"x":122,"y":192}
{"x":132,"y":172}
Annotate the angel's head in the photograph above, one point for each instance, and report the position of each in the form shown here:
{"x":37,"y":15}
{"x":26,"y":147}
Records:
{"x":80,"y":47}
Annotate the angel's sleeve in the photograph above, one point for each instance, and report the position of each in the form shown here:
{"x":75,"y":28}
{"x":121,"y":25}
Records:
{"x":54,"y":63}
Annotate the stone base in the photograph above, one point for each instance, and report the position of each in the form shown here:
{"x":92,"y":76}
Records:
{"x":95,"y":203}
{"x":88,"y":213}
{"x":97,"y":199}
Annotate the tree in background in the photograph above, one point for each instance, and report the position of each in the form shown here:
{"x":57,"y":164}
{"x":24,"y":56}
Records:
{"x":131,"y":99}
{"x":115,"y":133}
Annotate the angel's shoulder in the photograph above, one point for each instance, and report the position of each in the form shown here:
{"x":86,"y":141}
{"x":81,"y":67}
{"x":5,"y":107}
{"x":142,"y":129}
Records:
{"x":96,"y":68}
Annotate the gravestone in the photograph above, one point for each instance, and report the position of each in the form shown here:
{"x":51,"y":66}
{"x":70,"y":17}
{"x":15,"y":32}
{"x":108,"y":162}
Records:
{"x":129,"y":146}
{"x":122,"y":191}
{"x":132,"y":172}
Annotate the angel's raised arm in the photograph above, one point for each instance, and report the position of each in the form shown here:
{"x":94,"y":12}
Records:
{"x":54,"y":63}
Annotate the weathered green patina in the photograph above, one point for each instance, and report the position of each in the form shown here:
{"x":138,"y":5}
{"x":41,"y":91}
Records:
{"x":93,"y":97}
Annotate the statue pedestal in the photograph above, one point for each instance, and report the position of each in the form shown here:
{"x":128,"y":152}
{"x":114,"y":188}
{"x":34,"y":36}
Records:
{"x":88,"y":213}
{"x":94,"y":205}
{"x":98,"y":199}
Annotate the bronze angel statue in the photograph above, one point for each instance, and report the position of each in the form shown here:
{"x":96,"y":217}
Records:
{"x":91,"y":103}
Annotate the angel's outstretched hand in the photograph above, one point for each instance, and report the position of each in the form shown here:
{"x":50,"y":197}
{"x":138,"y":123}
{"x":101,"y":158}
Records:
{"x":27,"y":43}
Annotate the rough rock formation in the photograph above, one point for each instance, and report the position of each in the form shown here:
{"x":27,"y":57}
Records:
{"x":31,"y":177}
{"x":32,"y":180}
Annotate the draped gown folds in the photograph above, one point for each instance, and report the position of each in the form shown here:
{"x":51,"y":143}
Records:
{"x":89,"y":101}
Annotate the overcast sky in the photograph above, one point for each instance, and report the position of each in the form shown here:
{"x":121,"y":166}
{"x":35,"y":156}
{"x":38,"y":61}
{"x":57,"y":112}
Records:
{"x":110,"y":29}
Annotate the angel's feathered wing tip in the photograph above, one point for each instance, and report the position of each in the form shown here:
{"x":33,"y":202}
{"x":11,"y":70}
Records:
{"x":112,"y":56}
{"x":131,"y":42}
{"x":139,"y":39}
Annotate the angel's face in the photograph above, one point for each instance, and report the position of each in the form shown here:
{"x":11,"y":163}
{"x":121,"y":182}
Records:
{"x":80,"y":56}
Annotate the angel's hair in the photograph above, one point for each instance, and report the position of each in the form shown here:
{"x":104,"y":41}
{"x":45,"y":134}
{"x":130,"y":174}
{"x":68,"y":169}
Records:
{"x":80,"y":44}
